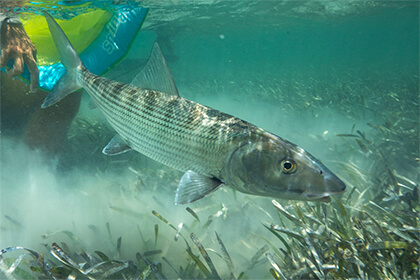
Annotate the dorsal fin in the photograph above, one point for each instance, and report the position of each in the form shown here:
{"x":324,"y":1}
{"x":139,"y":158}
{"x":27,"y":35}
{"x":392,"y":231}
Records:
{"x":156,"y":74}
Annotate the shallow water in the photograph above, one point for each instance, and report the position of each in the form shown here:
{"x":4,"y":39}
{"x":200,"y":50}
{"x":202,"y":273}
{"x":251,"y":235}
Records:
{"x":340,"y":79}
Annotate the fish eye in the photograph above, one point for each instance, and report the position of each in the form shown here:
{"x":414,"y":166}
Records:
{"x":288,"y":166}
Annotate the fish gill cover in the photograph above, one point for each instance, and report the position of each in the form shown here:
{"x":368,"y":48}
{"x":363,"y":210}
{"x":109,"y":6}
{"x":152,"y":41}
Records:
{"x":339,"y":79}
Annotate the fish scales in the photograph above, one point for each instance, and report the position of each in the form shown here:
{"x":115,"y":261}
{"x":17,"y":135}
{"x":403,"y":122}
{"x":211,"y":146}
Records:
{"x":166,"y":128}
{"x":213,"y":148}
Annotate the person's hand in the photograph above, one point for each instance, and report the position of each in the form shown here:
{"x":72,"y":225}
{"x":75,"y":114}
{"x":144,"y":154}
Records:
{"x":16,"y":45}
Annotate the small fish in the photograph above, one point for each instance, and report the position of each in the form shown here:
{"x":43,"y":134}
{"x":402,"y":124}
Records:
{"x":212,"y":148}
{"x":347,"y":135}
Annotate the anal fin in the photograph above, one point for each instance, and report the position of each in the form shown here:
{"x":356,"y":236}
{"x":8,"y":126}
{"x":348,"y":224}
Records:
{"x":194,"y":186}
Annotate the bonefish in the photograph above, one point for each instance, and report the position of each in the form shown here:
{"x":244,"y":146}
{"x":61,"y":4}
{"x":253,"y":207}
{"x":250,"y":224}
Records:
{"x":211,"y":147}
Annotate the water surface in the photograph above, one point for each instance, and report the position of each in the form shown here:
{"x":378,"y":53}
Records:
{"x":338,"y":78}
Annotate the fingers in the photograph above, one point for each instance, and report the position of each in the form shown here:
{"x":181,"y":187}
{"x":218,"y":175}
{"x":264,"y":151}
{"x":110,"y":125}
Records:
{"x":5,"y":56}
{"x":33,"y":70}
{"x":17,"y":66}
{"x":17,"y":45}
{"x":19,"y":61}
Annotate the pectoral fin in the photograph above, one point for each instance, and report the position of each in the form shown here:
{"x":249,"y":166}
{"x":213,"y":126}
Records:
{"x":194,"y":186}
{"x":92,"y":104}
{"x":116,"y":146}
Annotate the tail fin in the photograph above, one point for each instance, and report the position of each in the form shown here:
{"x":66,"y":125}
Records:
{"x":71,"y":61}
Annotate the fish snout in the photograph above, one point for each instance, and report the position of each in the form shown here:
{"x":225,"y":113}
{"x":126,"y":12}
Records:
{"x":333,"y":185}
{"x":330,"y":185}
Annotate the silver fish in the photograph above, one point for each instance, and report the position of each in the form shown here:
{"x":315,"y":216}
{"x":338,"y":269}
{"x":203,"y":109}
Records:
{"x":211,"y":147}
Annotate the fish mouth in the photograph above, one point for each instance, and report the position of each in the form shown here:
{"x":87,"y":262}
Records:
{"x":333,"y":185}
{"x":323,"y":197}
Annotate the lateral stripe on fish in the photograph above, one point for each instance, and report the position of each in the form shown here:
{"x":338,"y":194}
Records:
{"x":211,"y":147}
{"x":165,"y":131}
